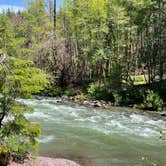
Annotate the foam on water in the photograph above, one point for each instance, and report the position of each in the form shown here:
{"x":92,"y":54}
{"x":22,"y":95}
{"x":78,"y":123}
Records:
{"x":137,"y":118}
{"x":46,"y":139}
{"x":36,"y":114}
{"x":106,"y":121}
{"x":78,"y":130}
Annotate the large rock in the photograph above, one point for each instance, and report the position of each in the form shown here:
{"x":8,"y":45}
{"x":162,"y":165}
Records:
{"x":163,"y":113}
{"x":45,"y":161}
{"x":97,"y":104}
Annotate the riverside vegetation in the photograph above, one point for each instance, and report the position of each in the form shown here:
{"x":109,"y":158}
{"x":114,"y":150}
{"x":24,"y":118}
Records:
{"x":112,"y":50}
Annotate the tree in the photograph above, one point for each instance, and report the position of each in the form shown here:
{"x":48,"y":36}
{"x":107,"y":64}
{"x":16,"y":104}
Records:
{"x":7,"y":40}
{"x":18,"y":79}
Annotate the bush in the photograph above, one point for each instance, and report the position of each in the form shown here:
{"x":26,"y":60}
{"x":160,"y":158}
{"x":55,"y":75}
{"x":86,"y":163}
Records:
{"x":52,"y":90}
{"x":70,"y":92}
{"x":94,"y":88}
{"x":82,"y":96}
{"x":152,"y":101}
{"x":160,"y":88}
{"x":98,"y":92}
{"x":114,"y":81}
{"x":56,"y":91}
{"x":117,"y":97}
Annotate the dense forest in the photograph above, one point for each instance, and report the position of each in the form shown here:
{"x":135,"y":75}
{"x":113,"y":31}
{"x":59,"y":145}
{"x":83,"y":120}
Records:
{"x":112,"y":50}
{"x":103,"y":45}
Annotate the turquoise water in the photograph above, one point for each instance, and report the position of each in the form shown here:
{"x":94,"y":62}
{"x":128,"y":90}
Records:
{"x":116,"y":137}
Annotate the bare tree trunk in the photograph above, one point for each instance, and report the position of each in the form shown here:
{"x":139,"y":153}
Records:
{"x":54,"y":17}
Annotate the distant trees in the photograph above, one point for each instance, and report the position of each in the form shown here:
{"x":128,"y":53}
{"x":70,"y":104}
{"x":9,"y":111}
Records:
{"x":152,"y":39}
{"x":93,"y":38}
{"x":100,"y":34}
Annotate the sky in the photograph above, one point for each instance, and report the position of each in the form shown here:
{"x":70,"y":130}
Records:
{"x":16,"y":4}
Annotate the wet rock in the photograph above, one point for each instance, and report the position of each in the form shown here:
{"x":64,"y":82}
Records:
{"x":163,"y":113}
{"x":86,"y":102}
{"x":135,"y":106}
{"x":105,"y":106}
{"x":97,"y":104}
{"x":64,"y":97}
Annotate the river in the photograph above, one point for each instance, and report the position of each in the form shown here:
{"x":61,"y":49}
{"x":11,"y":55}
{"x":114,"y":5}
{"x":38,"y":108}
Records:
{"x":116,"y":137}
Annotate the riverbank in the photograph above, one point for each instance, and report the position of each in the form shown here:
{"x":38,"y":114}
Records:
{"x":147,"y":96}
{"x":46,"y":161}
{"x":101,"y":104}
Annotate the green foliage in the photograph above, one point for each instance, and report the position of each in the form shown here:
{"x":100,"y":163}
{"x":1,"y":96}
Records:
{"x":18,"y":79}
{"x":26,"y":78}
{"x":70,"y":92}
{"x":114,"y":81}
{"x":97,"y":91}
{"x":52,"y":90}
{"x":149,"y":161}
{"x":93,"y":88}
{"x":152,"y":101}
{"x":7,"y":40}
{"x":82,"y":96}
{"x":117,"y":97}
{"x":138,"y":79}
{"x":160,"y":88}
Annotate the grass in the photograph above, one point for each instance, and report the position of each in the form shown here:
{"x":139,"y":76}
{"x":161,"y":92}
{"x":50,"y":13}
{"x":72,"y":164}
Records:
{"x":138,"y":79}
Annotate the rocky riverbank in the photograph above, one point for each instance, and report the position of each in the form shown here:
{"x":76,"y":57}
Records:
{"x":46,"y":161}
{"x":101,"y":104}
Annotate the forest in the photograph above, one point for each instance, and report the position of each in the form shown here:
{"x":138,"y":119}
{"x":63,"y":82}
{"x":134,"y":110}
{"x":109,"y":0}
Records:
{"x":104,"y":50}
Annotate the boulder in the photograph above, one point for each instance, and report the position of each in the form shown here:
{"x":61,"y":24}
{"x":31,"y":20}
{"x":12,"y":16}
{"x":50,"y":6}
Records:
{"x":163,"y":113}
{"x":45,"y":161}
{"x":98,"y":104}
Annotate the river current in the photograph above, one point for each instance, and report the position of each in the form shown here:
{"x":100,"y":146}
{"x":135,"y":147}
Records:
{"x":115,"y":137}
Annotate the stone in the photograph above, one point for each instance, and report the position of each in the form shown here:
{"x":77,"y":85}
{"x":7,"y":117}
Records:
{"x":85,"y":102}
{"x":46,"y":161}
{"x":163,"y":114}
{"x":98,"y":104}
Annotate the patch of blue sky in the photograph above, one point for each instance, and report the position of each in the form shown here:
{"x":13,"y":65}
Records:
{"x":11,"y":7}
{"x":17,"y":5}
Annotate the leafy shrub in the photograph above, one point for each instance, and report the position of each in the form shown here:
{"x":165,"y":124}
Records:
{"x":98,"y":92}
{"x":18,"y":79}
{"x":114,"y":81}
{"x":160,"y":88}
{"x":56,"y":91}
{"x":94,"y":88}
{"x":152,"y":101}
{"x":138,"y":79}
{"x":70,"y":92}
{"x":53,"y":90}
{"x":82,"y":96}
{"x":117,"y":97}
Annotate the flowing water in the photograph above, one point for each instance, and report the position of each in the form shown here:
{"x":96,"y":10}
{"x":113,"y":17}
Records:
{"x":116,"y":137}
